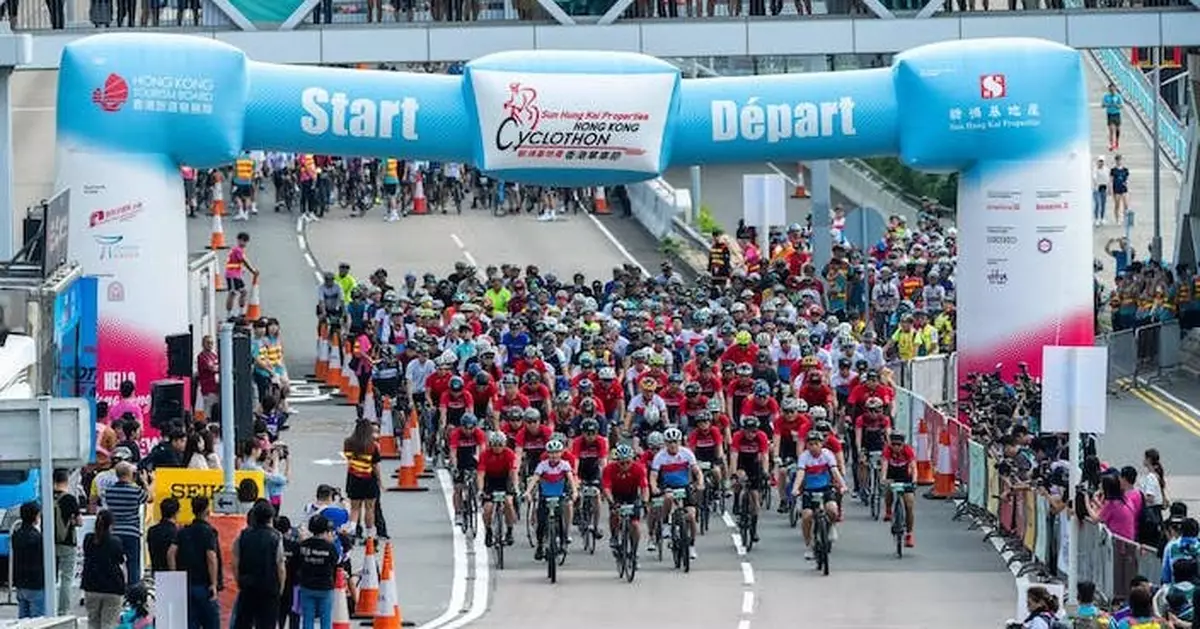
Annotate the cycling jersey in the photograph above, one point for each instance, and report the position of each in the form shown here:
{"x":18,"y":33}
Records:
{"x":898,"y":463}
{"x":705,"y":444}
{"x":674,"y":470}
{"x":387,"y":378}
{"x":874,"y":427}
{"x":791,"y":435}
{"x":533,"y":442}
{"x":591,"y":455}
{"x":818,"y":470}
{"x":466,"y":444}
{"x":625,"y":484}
{"x":815,"y":396}
{"x":497,"y":464}
{"x":330,"y":298}
{"x":504,"y":400}
{"x":749,"y":447}
{"x":553,"y":477}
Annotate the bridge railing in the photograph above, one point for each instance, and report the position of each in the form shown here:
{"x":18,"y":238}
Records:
{"x":1138,"y":91}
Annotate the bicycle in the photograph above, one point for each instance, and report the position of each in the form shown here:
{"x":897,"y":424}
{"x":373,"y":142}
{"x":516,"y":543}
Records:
{"x":499,"y":498}
{"x":871,"y":491}
{"x":626,"y":550}
{"x":820,"y":531}
{"x":713,"y":498}
{"x":589,"y":508}
{"x":681,"y":533}
{"x":747,"y":521}
{"x":789,"y":501}
{"x":470,"y":504}
{"x":556,"y":551}
{"x":656,"y":504}
{"x":900,"y":515}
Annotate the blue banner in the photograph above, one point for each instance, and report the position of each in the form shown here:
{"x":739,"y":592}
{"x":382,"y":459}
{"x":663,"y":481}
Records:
{"x":75,"y":327}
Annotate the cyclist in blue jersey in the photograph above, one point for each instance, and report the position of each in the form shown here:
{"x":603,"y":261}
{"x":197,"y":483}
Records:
{"x":555,"y":479}
{"x":675,"y":467}
{"x":817,"y":473}
{"x":358,"y":310}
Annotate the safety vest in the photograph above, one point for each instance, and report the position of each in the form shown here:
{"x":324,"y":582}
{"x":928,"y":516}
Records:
{"x":243,"y":171}
{"x":273,"y":352}
{"x":360,"y":465}
{"x":1183,"y":294}
{"x":233,"y":263}
{"x":392,"y":173}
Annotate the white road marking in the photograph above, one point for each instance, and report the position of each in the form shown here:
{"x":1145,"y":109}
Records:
{"x":728,"y":520}
{"x":747,"y":573}
{"x":616,"y":243}
{"x":748,"y":602}
{"x":309,"y":259}
{"x":744,"y":623}
{"x":1174,"y":399}
{"x":466,"y":254}
{"x":300,"y":241}
{"x":300,"y":224}
{"x":458,"y":241}
{"x":738,"y":545}
{"x":317,"y":276}
{"x":470,"y":258}
{"x":458,"y":587}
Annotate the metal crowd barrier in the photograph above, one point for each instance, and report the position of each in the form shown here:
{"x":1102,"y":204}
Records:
{"x":933,"y":378}
{"x":1147,"y":353}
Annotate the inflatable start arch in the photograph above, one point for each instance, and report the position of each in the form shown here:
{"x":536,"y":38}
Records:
{"x":1010,"y":114}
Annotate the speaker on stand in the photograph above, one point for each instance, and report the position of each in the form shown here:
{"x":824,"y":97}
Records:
{"x":166,"y":403}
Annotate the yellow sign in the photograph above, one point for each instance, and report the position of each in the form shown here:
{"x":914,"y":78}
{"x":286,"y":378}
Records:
{"x":184,"y":484}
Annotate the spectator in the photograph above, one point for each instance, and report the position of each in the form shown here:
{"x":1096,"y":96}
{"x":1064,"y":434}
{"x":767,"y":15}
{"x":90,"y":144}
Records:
{"x":1119,"y":185}
{"x":66,"y":522}
{"x":124,"y":500}
{"x":1043,"y":608}
{"x":1141,"y":585}
{"x":289,"y":615}
{"x":208,"y":368}
{"x":169,"y":451}
{"x":317,"y":569}
{"x":104,"y":576}
{"x":1186,"y":546}
{"x":26,"y":558}
{"x":1099,"y":191}
{"x":199,"y":454}
{"x":129,"y":429}
{"x":107,"y":478}
{"x":1141,"y":611}
{"x":197,"y":551}
{"x":1112,"y":508}
{"x":1152,"y":487}
{"x":161,"y":536}
{"x":1112,"y":103}
{"x":259,"y":560}
{"x":127,"y":403}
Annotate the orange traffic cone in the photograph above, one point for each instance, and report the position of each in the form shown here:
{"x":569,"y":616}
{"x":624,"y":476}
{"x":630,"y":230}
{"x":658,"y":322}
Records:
{"x":924,"y":455}
{"x":414,"y":432}
{"x":420,"y":204}
{"x":599,"y":201}
{"x":353,"y":389}
{"x":387,"y":431}
{"x":218,"y":204}
{"x":943,"y":473}
{"x":406,"y":478}
{"x":333,"y":367}
{"x":254,"y":307}
{"x":387,"y":616}
{"x":341,"y":609}
{"x":368,"y":584}
{"x":217,"y":240}
{"x":801,"y":191}
{"x":218,"y":282}
{"x":321,"y":366}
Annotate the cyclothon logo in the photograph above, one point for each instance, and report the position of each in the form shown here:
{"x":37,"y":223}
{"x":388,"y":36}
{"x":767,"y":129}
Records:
{"x":118,"y":214}
{"x":993,"y":86}
{"x":112,"y":95}
{"x":115,"y":248}
{"x":564,"y":134}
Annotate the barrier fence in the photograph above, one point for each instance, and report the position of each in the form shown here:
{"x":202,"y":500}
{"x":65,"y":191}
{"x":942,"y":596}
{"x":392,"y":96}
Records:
{"x":1028,"y":520}
{"x":1145,"y":353}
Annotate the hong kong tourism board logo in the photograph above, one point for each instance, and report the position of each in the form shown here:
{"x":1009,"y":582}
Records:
{"x":111,"y":96}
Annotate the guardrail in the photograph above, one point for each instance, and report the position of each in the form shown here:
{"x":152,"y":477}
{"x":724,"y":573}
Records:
{"x":1143,"y":354}
{"x":865,"y":187}
{"x":88,"y":15}
{"x":1139,"y":92}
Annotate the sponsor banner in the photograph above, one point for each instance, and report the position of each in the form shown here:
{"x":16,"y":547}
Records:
{"x":550,"y":121}
{"x":126,"y":230}
{"x":183,"y":484}
{"x":1025,"y":261}
{"x":75,"y":337}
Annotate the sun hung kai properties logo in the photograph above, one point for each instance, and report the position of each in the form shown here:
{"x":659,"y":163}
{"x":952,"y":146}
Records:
{"x":111,"y":96}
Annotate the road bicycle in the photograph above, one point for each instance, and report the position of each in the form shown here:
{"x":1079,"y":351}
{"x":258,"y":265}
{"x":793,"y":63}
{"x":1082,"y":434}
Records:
{"x":821,"y":543}
{"x":470,"y":504}
{"x":900,"y":515}
{"x":499,"y":499}
{"x":713,"y":499}
{"x":556,"y":547}
{"x":789,"y":501}
{"x":589,"y":512}
{"x":681,"y":533}
{"x":747,"y":518}
{"x":656,"y":505}
{"x":626,"y":549}
{"x":871,"y":491}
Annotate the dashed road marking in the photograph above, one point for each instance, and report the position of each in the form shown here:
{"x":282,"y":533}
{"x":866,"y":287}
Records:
{"x":748,"y":602}
{"x":747,"y":573}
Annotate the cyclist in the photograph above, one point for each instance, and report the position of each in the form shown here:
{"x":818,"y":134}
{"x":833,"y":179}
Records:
{"x":817,"y":473}
{"x":534,"y":388}
{"x":466,"y":440}
{"x":330,"y":303}
{"x":694,"y":401}
{"x":482,"y":391}
{"x":510,"y":395}
{"x":815,"y":392}
{"x":391,"y":181}
{"x":554,"y":479}
{"x":762,"y":407}
{"x":624,"y":481}
{"x":611,"y":395}
{"x":739,"y":389}
{"x":532,"y":439}
{"x":785,"y":444}
{"x":673,"y":396}
{"x":589,"y":451}
{"x":387,"y":378}
{"x":675,"y":467}
{"x":588,"y":412}
{"x":498,"y":473}
{"x":708,"y":444}
{"x":749,"y":452}
{"x":870,"y":433}
{"x":901,"y":467}
{"x":455,"y":402}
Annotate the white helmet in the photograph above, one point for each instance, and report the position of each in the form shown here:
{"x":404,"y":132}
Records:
{"x":672,"y":434}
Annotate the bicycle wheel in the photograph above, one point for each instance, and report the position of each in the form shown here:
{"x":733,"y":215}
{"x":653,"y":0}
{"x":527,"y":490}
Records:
{"x":471,"y":511}
{"x":793,"y":513}
{"x":551,"y":551}
{"x":498,"y":534}
{"x":685,"y":543}
{"x":821,"y":544}
{"x":874,"y":497}
{"x":745,"y":520}
{"x":562,"y":529}
{"x":622,"y":544}
{"x":677,"y":537}
{"x":705,"y":511}
{"x":898,"y":524}
{"x":587,"y":531}
{"x":530,"y":525}
{"x":629,"y":552}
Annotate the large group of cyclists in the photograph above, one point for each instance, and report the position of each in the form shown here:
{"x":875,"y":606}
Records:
{"x":554,"y":401}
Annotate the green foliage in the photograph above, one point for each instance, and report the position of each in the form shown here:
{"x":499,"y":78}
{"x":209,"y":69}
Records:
{"x":943,"y":189}
{"x":670,"y":246}
{"x":705,"y":222}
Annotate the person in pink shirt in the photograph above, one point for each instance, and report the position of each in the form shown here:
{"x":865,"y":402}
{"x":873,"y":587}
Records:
{"x":127,"y":404}
{"x":1113,"y":508}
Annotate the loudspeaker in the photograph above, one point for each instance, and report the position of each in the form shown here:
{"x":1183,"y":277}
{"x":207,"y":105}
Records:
{"x":166,"y":402}
{"x":179,"y":355}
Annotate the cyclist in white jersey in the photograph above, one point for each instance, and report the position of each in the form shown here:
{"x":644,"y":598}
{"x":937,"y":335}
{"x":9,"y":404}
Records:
{"x":869,"y":351}
{"x":675,"y":467}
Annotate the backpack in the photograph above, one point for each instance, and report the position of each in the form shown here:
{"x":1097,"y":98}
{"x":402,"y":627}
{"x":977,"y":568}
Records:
{"x":1055,"y":622}
{"x":1179,"y":599}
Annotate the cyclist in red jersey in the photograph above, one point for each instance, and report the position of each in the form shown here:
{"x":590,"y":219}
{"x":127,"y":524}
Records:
{"x":590,"y":450}
{"x":707,"y":442}
{"x":900,"y":466}
{"x":531,"y":362}
{"x":510,"y":422}
{"x":611,"y":394}
{"x":790,"y":429}
{"x":466,"y":440}
{"x":816,"y":393}
{"x":536,"y":391}
{"x":749,"y":452}
{"x":624,"y":482}
{"x":763,"y":407}
{"x":588,"y":411}
{"x":532,"y":440}
{"x":454,"y":402}
{"x":739,"y":389}
{"x":562,"y":414}
{"x":482,"y":391}
{"x":870,"y":433}
{"x":587,"y":370}
{"x":509,"y":394}
{"x":672,"y":395}
{"x":439,"y":381}
{"x":743,"y":349}
{"x":869,"y":386}
{"x":586,"y":391}
{"x":694,"y":401}
{"x":498,"y":473}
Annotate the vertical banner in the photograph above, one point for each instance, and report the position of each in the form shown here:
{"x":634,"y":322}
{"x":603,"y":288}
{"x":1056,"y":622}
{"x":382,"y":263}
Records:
{"x":1025,"y":261}
{"x":126,"y":230}
{"x":75,"y":338}
{"x":977,"y":481}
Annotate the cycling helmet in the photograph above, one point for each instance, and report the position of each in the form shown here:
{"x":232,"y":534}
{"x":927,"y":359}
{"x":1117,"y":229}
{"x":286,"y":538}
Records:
{"x":815,"y":436}
{"x":587,"y":405}
{"x":456,"y":383}
{"x":531,"y":376}
{"x":791,"y":405}
{"x":509,"y":379}
{"x":589,"y":426}
{"x":482,"y":379}
{"x":446,"y":360}
{"x":672,"y":435}
{"x":703,"y":416}
{"x":761,"y":389}
{"x":563,"y":398}
{"x":742,"y":337}
{"x":675,"y":378}
{"x":532,"y":415}
{"x":468,"y":420}
{"x":585,"y":386}
{"x":874,"y":403}
{"x":586,"y":360}
{"x":691,"y":389}
{"x":714,"y":406}
{"x":623,"y":452}
{"x":608,"y":373}
{"x":497,"y":439}
{"x":652,"y":414}
{"x":818,"y":413}
{"x":896,"y":437}
{"x":555,"y":446}
{"x":531,"y":351}
{"x":649,"y":383}
{"x":655,"y":439}
{"x":844,"y":363}
{"x":558,"y":436}
{"x":744,"y":369}
{"x":513,"y":412}
{"x":824,"y":427}
{"x":750,"y":422}
{"x":658,"y":360}
{"x":801,"y":405}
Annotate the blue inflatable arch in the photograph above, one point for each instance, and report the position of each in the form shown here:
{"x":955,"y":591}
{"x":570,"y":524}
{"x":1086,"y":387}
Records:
{"x":1009,"y":114}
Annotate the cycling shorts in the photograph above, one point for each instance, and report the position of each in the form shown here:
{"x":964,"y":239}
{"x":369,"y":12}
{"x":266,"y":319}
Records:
{"x":494,"y":484}
{"x":688,"y":501}
{"x":628,"y":499}
{"x":827,"y":495}
{"x":897,"y":474}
